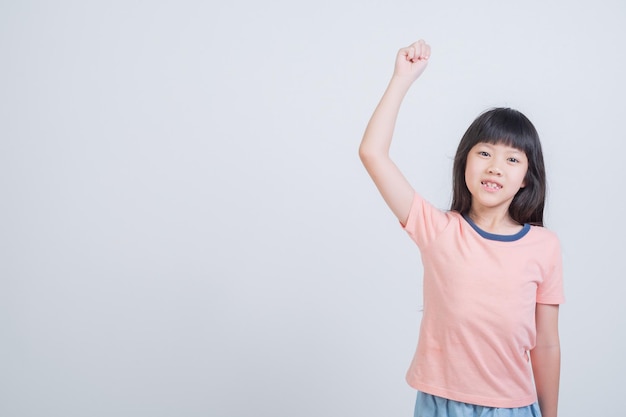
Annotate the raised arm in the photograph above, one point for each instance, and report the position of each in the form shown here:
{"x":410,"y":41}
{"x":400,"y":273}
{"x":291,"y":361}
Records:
{"x":374,"y":150}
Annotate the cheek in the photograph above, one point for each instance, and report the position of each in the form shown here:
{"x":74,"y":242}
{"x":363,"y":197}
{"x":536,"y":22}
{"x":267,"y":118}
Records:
{"x":524,"y":179}
{"x":470,"y":170}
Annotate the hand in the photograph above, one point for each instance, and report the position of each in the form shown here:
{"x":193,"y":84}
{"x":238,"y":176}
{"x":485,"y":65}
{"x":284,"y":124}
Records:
{"x":412,"y":60}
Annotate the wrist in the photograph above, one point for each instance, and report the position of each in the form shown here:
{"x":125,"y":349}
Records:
{"x":403,"y":79}
{"x":401,"y":82}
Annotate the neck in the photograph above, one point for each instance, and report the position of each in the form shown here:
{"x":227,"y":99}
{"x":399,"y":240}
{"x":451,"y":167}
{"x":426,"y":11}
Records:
{"x":497,"y":222}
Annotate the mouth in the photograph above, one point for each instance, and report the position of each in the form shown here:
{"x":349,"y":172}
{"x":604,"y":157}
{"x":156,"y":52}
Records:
{"x":491,"y":185}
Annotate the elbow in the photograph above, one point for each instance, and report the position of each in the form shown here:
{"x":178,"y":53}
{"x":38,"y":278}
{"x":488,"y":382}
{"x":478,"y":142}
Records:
{"x":363,"y":153}
{"x":367,"y":154}
{"x":373,"y":159}
{"x":367,"y":157}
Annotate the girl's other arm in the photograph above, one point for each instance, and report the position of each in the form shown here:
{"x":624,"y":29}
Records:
{"x":546,"y":358}
{"x":374,"y":150}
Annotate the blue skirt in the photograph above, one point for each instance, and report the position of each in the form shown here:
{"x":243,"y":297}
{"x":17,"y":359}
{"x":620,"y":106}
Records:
{"x":428,"y":405}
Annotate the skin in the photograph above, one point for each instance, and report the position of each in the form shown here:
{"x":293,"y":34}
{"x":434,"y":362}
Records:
{"x":486,"y":163}
{"x":546,"y":358}
{"x":504,"y":168}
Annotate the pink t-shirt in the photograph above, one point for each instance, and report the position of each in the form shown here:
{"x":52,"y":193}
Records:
{"x":480,"y":292}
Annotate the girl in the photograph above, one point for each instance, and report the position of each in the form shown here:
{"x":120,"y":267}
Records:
{"x":489,"y":343}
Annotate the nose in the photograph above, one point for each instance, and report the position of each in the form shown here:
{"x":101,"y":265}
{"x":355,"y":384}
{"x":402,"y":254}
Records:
{"x":495,"y":171}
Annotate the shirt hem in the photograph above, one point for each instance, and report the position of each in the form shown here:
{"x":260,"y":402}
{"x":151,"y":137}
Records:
{"x":474,"y":399}
{"x":552,"y":301}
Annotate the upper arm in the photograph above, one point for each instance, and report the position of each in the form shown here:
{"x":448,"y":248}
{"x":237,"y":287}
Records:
{"x":391,"y":183}
{"x":547,"y":324}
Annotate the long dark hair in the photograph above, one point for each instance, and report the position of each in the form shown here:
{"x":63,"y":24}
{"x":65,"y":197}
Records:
{"x":511,"y":128}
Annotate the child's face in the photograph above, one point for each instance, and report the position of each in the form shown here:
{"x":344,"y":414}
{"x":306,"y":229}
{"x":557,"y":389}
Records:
{"x":494,"y":174}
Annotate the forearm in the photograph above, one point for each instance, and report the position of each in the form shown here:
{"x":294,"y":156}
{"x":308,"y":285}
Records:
{"x":379,"y":132}
{"x":546,"y":362}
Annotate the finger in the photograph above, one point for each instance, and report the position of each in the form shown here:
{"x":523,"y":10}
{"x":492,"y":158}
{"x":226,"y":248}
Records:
{"x":426,"y":52}
{"x":423,"y":49}
{"x":405,"y":53}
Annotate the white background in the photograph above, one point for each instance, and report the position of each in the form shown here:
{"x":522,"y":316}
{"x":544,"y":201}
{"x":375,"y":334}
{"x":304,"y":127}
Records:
{"x":185,"y":227}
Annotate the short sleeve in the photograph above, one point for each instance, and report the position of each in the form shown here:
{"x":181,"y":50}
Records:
{"x":550,"y":290}
{"x":425,"y":221}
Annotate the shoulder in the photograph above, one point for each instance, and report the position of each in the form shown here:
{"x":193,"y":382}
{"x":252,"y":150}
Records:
{"x":543,"y":229}
{"x":426,"y":222}
{"x":544,"y":233}
{"x":546,"y":240}
{"x":421,"y":207}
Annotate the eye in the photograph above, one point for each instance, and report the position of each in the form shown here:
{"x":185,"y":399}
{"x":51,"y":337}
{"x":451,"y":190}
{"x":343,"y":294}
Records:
{"x":514,"y":160}
{"x":483,"y":153}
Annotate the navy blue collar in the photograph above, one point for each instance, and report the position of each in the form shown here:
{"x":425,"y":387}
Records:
{"x":500,"y":238}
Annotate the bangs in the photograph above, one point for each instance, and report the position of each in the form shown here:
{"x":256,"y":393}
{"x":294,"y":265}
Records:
{"x":510,"y":128}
